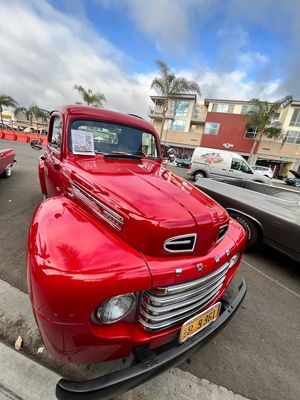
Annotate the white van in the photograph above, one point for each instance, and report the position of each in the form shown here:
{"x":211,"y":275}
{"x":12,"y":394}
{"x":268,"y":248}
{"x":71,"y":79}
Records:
{"x":207,"y":162}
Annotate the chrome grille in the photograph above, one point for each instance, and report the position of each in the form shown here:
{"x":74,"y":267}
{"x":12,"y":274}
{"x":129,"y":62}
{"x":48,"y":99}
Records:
{"x":166,"y":306}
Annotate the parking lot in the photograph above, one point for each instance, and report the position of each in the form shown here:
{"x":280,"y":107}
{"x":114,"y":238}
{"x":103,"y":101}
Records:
{"x":257,"y":354}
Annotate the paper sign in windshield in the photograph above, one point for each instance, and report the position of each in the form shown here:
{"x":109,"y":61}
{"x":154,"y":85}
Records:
{"x":82,"y":142}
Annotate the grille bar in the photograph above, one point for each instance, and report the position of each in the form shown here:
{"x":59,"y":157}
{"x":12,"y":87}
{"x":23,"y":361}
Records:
{"x":181,"y":297}
{"x":167,"y":306}
{"x":183,"y":287}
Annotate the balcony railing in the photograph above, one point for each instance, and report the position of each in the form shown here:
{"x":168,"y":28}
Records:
{"x":158,"y":113}
{"x":199,"y":117}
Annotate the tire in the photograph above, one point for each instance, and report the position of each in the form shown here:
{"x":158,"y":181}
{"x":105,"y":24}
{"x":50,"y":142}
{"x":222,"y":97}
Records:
{"x":199,"y":175}
{"x":253,"y":232}
{"x":7,"y":172}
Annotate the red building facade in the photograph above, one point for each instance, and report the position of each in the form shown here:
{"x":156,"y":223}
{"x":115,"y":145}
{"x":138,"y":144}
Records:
{"x":231,"y":134}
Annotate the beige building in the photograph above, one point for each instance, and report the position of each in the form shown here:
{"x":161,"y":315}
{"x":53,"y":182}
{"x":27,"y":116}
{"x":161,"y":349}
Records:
{"x":184,"y":122}
{"x":219,"y":123}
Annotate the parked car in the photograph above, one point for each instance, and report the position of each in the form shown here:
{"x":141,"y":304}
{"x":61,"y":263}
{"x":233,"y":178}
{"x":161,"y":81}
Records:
{"x":30,"y":129}
{"x":124,"y":256}
{"x":7,"y":159}
{"x":182,"y":162}
{"x":268,"y":213}
{"x":295,"y":181}
{"x":265,"y":171}
{"x":207,"y":162}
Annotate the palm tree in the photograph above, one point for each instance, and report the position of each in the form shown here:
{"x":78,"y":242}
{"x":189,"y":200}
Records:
{"x":6,"y":101}
{"x":89,"y":97}
{"x":32,"y":112}
{"x":168,"y":85}
{"x":261,"y":119}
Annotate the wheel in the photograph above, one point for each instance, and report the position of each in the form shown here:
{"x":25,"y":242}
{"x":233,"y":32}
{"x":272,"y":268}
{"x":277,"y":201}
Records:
{"x":7,"y":171}
{"x":199,"y":175}
{"x":251,"y":228}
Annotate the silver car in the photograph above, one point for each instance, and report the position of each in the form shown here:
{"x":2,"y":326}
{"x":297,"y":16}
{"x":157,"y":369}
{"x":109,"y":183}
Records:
{"x":268,"y":213}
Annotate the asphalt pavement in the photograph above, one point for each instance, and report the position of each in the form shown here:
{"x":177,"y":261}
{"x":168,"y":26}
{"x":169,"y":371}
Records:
{"x":257,"y":355}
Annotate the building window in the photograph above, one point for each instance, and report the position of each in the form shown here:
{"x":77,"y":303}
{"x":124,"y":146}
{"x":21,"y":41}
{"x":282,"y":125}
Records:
{"x":176,"y":125}
{"x":179,"y":108}
{"x":250,"y":133}
{"x":193,"y":127}
{"x":220,"y":107}
{"x":295,"y":121}
{"x":247,"y":109}
{"x":211,"y":128}
{"x":293,"y":137}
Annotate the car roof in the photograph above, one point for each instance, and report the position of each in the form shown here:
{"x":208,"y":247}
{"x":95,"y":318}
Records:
{"x":79,"y":111}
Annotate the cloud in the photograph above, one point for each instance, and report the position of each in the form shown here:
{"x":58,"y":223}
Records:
{"x":44,"y":52}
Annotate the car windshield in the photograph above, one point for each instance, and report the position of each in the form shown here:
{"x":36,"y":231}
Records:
{"x":98,"y":137}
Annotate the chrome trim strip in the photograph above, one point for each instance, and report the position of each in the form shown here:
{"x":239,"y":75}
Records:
{"x":221,"y":227}
{"x":178,"y":312}
{"x":72,"y":192}
{"x":191,"y":284}
{"x":163,"y":301}
{"x":154,"y":310}
{"x":169,"y":242}
{"x":157,"y":326}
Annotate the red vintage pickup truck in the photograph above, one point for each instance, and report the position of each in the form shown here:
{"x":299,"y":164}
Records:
{"x":124,"y":257}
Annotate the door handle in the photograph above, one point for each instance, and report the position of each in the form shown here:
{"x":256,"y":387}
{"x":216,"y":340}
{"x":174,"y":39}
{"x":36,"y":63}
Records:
{"x":231,"y":170}
{"x":223,"y":169}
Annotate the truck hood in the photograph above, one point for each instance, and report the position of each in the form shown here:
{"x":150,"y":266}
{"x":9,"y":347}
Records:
{"x":156,"y":206}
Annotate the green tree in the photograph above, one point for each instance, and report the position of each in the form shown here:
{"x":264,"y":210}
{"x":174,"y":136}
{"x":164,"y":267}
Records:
{"x":32,"y":112}
{"x":168,"y":85}
{"x":6,"y":101}
{"x":261,"y":117}
{"x":89,"y":97}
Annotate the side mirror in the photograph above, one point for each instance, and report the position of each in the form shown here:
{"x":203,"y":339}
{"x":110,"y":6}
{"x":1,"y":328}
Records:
{"x":36,"y":145}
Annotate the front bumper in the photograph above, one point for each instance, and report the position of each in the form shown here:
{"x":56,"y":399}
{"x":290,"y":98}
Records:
{"x":114,"y":384}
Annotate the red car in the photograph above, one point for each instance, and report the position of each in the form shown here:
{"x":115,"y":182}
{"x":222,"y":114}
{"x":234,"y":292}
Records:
{"x":124,"y":257}
{"x":7,"y":158}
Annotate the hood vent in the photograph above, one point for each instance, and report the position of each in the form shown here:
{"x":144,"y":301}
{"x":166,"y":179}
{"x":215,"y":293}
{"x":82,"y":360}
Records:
{"x":181,"y":244}
{"x":222,"y":232}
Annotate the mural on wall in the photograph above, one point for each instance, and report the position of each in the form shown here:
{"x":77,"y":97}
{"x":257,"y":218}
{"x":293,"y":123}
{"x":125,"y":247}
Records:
{"x":211,"y":158}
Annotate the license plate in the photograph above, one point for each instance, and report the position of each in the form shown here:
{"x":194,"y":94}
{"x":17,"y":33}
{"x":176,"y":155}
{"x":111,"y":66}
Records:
{"x":199,"y":322}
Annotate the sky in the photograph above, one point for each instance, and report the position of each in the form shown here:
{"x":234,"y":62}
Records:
{"x":234,"y":49}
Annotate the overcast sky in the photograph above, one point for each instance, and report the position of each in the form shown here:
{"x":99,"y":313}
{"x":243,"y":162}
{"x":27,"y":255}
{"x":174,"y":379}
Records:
{"x":234,"y":49}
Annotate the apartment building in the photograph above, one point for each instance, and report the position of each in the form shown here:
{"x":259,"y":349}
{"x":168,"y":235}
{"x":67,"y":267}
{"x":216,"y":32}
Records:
{"x":226,"y":127}
{"x":221,"y":124}
{"x":183,"y":125}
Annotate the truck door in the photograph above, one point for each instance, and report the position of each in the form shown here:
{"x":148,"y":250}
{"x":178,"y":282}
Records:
{"x":53,"y":156}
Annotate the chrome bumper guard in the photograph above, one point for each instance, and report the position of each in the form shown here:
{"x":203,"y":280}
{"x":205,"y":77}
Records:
{"x":116,"y":383}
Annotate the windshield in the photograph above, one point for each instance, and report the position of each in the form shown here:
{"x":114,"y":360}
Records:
{"x":89,"y":137}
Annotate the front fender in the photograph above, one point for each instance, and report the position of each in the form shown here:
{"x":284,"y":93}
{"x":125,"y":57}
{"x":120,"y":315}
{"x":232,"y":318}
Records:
{"x":74,"y":263}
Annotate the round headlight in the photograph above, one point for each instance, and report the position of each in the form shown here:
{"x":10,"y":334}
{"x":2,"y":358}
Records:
{"x":115,"y":308}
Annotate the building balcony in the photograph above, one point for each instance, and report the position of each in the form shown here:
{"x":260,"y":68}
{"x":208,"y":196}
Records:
{"x":157,"y":113}
{"x":198,"y":117}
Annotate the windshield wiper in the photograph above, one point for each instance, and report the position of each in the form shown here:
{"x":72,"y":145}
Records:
{"x":122,"y":154}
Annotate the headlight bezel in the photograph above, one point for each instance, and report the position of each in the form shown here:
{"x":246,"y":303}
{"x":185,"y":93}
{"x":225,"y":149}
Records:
{"x":96,"y":315}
